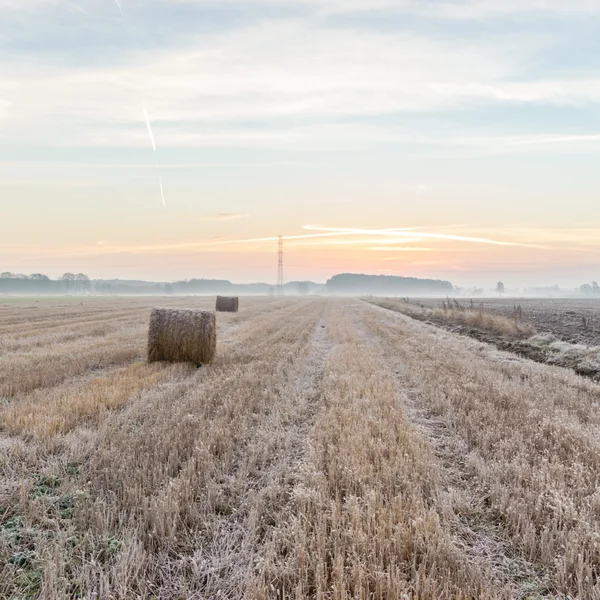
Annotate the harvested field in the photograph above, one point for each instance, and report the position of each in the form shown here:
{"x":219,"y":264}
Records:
{"x":333,"y":450}
{"x":506,"y":329}
{"x":572,"y":320}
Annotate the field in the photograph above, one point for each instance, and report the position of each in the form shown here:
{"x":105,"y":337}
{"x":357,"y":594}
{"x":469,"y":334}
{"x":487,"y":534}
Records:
{"x":333,"y":450}
{"x":575,"y":320}
{"x":554,"y":332}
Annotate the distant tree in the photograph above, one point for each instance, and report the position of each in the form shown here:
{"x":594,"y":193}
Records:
{"x":69,"y":280}
{"x":586,"y":289}
{"x":595,"y":288}
{"x":20,"y":276}
{"x":500,"y":288}
{"x":39,"y":277}
{"x":386,"y":285}
{"x":302,"y":288}
{"x":82,"y":283}
{"x":6,"y":275}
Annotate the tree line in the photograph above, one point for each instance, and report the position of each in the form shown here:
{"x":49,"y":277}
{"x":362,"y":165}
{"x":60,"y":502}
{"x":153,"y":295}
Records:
{"x":354,"y":284}
{"x":38,"y":283}
{"x":81,"y":284}
{"x":590,"y":290}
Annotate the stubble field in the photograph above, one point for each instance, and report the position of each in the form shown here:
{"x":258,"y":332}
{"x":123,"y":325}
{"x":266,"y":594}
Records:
{"x":333,"y":450}
{"x":575,"y":320}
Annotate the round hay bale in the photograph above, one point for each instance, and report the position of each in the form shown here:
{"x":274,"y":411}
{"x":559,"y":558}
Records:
{"x":177,"y":335}
{"x":227,"y":304}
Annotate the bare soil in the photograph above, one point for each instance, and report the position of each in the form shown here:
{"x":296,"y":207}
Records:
{"x":573,"y":320}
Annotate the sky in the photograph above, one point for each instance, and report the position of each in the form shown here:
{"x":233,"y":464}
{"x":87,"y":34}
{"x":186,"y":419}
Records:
{"x":171,"y":139}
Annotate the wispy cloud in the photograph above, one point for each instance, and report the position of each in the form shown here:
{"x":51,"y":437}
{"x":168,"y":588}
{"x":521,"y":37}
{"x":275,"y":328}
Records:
{"x":440,"y":8}
{"x":30,"y":5}
{"x":207,"y":93}
{"x":407,"y":234}
{"x":389,"y":235}
{"x":336,"y":241}
{"x":459,"y":9}
{"x":223,"y":217}
{"x":398,"y":249}
{"x":331,"y":88}
{"x":394,"y":235}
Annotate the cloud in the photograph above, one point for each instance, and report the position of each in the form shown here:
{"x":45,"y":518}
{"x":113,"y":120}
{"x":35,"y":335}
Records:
{"x":29,"y":5}
{"x":469,"y":9}
{"x":299,"y":83}
{"x":284,"y":82}
{"x":243,"y":92}
{"x":336,"y":241}
{"x":4,"y":108}
{"x":456,"y":9}
{"x":407,"y":234}
{"x":390,"y":235}
{"x":583,"y":243}
{"x":223,"y":217}
{"x":398,"y":249}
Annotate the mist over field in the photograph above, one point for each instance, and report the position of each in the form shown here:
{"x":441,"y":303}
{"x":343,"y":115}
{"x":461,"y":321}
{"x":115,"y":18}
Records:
{"x":347,"y":284}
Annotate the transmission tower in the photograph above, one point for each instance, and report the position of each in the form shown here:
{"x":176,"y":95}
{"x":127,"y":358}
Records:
{"x":279,"y":290}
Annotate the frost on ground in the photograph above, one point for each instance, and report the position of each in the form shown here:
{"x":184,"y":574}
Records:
{"x":583,"y":359}
{"x":333,"y":450}
{"x":574,"y":320}
{"x":506,"y":331}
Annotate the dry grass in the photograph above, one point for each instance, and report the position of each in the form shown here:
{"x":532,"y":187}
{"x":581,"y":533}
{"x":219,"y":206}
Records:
{"x":332,"y":450}
{"x":46,"y":413}
{"x":531,"y":435}
{"x":177,"y":335}
{"x":585,"y":359}
{"x":364,"y":520}
{"x":454,"y":313}
{"x":507,"y":332}
{"x":487,"y":321}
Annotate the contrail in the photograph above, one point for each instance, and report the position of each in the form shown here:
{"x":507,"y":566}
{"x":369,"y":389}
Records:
{"x":118,"y":3}
{"x":162,"y":193}
{"x":149,"y":127}
{"x":146,"y":117}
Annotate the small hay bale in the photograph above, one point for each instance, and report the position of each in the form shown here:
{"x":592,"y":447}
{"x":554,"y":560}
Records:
{"x":227,"y":304}
{"x":177,"y":335}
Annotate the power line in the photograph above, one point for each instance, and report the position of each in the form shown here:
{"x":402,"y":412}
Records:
{"x":279,"y":289}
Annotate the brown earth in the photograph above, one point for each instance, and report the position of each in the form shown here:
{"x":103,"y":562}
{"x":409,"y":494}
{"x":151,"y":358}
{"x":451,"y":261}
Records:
{"x":575,"y":320}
